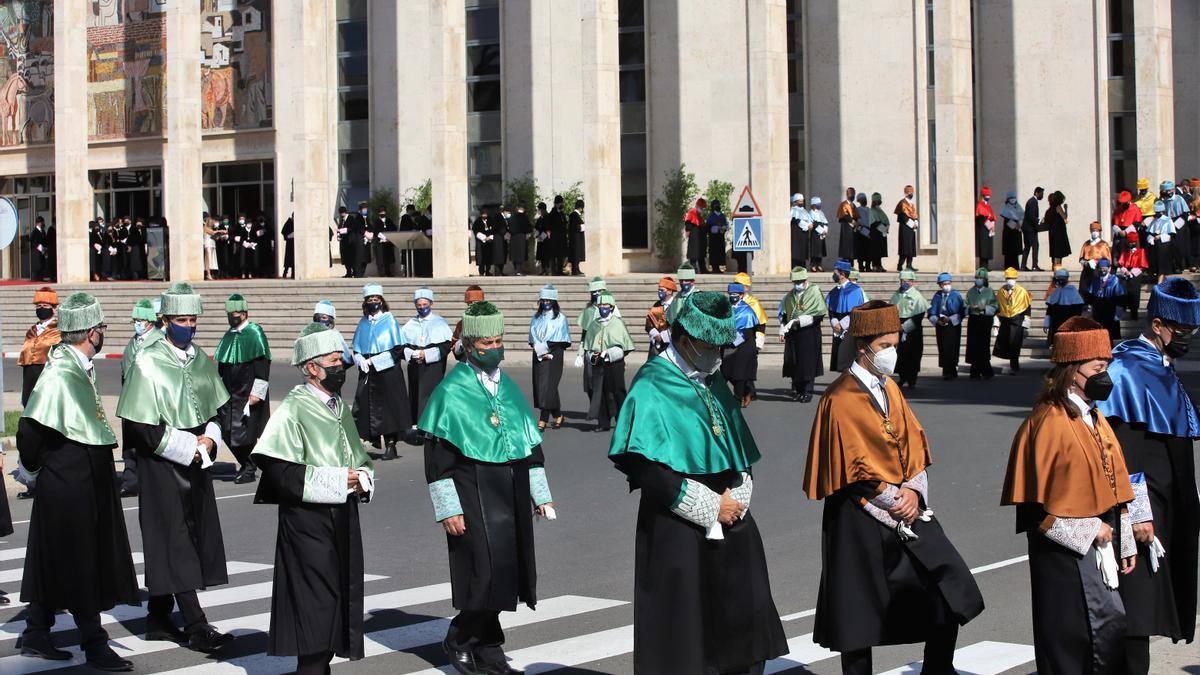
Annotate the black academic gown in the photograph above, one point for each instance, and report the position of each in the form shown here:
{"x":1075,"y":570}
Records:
{"x":423,"y":378}
{"x":1010,"y":339}
{"x":907,"y":237}
{"x":238,"y":430}
{"x":39,"y":260}
{"x":485,"y":251}
{"x":1163,"y":602}
{"x":518,"y":228}
{"x":547,"y":375}
{"x":606,"y":380}
{"x":984,"y":248}
{"x":77,"y":555}
{"x":492,"y":565}
{"x":801,"y":243}
{"x":317,"y":589}
{"x":177,"y":509}
{"x":108,"y":265}
{"x":847,"y":235}
{"x":802,"y":355}
{"x":264,"y":255}
{"x":576,"y":238}
{"x":381,"y":405}
{"x":356,"y":246}
{"x":289,"y":244}
{"x":699,"y":606}
{"x":95,"y":258}
{"x":135,"y":250}
{"x":739,"y":364}
{"x":384,"y":251}
{"x":1058,"y":314}
{"x":120,"y":258}
{"x":911,"y":350}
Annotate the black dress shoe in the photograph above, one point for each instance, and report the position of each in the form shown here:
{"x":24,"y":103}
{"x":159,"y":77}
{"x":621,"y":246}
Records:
{"x":463,"y":662}
{"x":500,"y":669}
{"x":158,"y":632}
{"x":806,"y":398}
{"x":126,"y":492}
{"x":104,"y":658}
{"x":244,"y":477}
{"x":28,"y":494}
{"x":41,"y":647}
{"x":390,"y":453}
{"x":207,"y":639}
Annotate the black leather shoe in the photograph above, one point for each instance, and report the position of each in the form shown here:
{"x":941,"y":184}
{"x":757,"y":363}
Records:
{"x":41,"y":647}
{"x":244,"y":477}
{"x":806,"y":398}
{"x":104,"y":658}
{"x":156,"y":632}
{"x":463,"y":662}
{"x":207,"y":639}
{"x":126,"y":492}
{"x":500,"y":669}
{"x":390,"y":453}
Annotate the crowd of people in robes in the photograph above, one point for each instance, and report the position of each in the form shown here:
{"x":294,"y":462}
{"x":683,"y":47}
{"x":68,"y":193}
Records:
{"x":240,"y":247}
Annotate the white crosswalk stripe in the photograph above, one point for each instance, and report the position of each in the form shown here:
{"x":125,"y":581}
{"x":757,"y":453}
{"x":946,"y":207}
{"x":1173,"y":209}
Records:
{"x":15,"y":575}
{"x":12,"y":553}
{"x":981,"y":658}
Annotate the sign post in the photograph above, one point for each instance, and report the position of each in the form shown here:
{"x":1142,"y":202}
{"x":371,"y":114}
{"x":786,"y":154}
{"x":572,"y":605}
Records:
{"x":747,"y":227}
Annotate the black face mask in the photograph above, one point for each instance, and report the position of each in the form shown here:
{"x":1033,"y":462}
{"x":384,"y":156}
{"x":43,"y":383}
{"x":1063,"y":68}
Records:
{"x":335,"y":377}
{"x":97,"y":346}
{"x":1098,"y":387}
{"x":1179,"y":346}
{"x":43,"y":313}
{"x":371,"y":307}
{"x":234,"y":320}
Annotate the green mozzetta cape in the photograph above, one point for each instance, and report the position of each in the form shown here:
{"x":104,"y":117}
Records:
{"x":303,"y":430}
{"x":910,"y":303}
{"x":665,"y":420}
{"x":161,"y":390}
{"x":133,"y":347}
{"x":980,"y":298}
{"x":65,"y":400}
{"x":808,"y":302}
{"x":459,"y":412}
{"x":601,"y":336}
{"x":242,"y":346}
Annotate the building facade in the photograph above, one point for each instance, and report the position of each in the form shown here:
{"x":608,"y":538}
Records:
{"x":169,"y":108}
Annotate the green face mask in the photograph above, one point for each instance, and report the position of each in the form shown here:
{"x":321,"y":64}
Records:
{"x":487,"y":359}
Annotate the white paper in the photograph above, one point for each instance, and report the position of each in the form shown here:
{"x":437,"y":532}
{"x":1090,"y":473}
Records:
{"x":383,"y":361}
{"x":550,"y":514}
{"x":205,"y":458}
{"x":715,"y":532}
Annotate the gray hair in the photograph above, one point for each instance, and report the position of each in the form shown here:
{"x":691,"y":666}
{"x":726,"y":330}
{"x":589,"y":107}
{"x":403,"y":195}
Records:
{"x":75,"y":337}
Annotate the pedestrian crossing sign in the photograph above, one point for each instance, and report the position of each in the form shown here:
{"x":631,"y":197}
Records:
{"x":747,"y":234}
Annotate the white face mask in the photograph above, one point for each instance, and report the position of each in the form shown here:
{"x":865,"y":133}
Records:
{"x":885,"y":360}
{"x":947,"y":288}
{"x":1095,"y":236}
{"x":1010,"y":282}
{"x":706,"y":361}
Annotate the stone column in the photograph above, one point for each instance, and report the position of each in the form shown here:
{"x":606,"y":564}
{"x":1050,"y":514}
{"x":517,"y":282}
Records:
{"x":1154,"y":73}
{"x":954,"y":112}
{"x":182,"y":182}
{"x":600,"y":145}
{"x":448,"y":69}
{"x":72,"y":189}
{"x":766,"y":42}
{"x":389,"y":43}
{"x":414,"y":99}
{"x":306,"y":173}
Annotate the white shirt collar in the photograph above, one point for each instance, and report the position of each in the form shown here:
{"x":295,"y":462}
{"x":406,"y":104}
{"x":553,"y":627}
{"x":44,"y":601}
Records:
{"x":1085,"y":409}
{"x":238,"y":328}
{"x":1166,"y":359}
{"x":490,"y":379}
{"x":671,"y":354}
{"x":84,"y":360}
{"x":866,"y":377}
{"x":325,"y":398}
{"x":183,"y":355}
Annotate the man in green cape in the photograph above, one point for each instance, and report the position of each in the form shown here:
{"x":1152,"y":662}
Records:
{"x":315,"y":469}
{"x":604,"y":350}
{"x":801,"y":313}
{"x":145,"y":331}
{"x":170,"y":401}
{"x":77,"y":557}
{"x":687,"y":283}
{"x":486,"y":476}
{"x":912,"y":306}
{"x":681,"y":439}
{"x":244,"y":363}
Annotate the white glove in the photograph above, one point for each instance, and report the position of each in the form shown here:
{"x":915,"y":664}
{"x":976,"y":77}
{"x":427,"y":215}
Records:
{"x":913,"y":224}
{"x":760,"y":340}
{"x":246,"y":244}
{"x":908,"y":326}
{"x":369,"y":236}
{"x":1092,"y":264}
{"x":1156,"y":551}
{"x":97,"y":247}
{"x":1025,"y":323}
{"x":1164,"y":238}
{"x":382,"y":238}
{"x":1135,"y":272}
{"x":582,"y":227}
{"x":408,"y":353}
{"x":363,"y":364}
{"x":341,"y":230}
{"x":955,"y":319}
{"x":785,"y":327}
{"x":1046,"y":324}
{"x":260,"y":233}
{"x":1106,"y":562}
{"x":541,"y":349}
{"x":481,"y":236}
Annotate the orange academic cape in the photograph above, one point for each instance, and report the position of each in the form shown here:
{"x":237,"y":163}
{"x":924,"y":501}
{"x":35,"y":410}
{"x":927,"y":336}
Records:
{"x":852,"y":441}
{"x":37,"y":347}
{"x":1060,"y":464}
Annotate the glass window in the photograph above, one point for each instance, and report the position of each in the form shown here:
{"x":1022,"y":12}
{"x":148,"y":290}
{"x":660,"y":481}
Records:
{"x":1120,"y":57}
{"x":484,"y":159}
{"x":632,"y":48}
{"x":483,"y":60}
{"x":355,"y":167}
{"x":483,"y":96}
{"x":633,"y":154}
{"x":352,"y":36}
{"x":482,"y":127}
{"x":38,"y":184}
{"x":353,"y":105}
{"x":351,"y":9}
{"x":630,"y":13}
{"x":352,"y":71}
{"x":268,"y":171}
{"x":635,"y":222}
{"x":130,"y":179}
{"x":246,"y":172}
{"x":633,"y":86}
{"x":483,"y":24}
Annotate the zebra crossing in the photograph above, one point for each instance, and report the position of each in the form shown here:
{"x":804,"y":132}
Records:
{"x":587,"y":631}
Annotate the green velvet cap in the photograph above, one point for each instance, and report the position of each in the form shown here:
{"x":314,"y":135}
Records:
{"x":981,"y":273}
{"x":80,"y":312}
{"x":181,"y":300}
{"x":315,"y":340}
{"x":235,"y":303}
{"x":606,"y":298}
{"x":799,"y":274}
{"x":708,"y":317}
{"x":596,"y":284}
{"x":482,"y":319}
{"x":908,"y":275}
{"x":143,"y":311}
{"x":686,"y":272}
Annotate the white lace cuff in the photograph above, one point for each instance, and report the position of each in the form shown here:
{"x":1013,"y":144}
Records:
{"x":666,"y":336}
{"x":213,"y":431}
{"x":539,"y":488}
{"x":1128,"y":543}
{"x":1074,"y":534}
{"x":432,"y":354}
{"x":920,"y":484}
{"x":179,"y":447}
{"x":743,"y":492}
{"x":881,"y":515}
{"x":614,"y":354}
{"x":541,"y":349}
{"x":260,"y":389}
{"x":699,"y":504}
{"x":1139,"y":509}
{"x":444,"y":496}
{"x":325,"y":484}
{"x":887,"y":499}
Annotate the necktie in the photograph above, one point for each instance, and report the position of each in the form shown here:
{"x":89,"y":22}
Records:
{"x":332,"y":403}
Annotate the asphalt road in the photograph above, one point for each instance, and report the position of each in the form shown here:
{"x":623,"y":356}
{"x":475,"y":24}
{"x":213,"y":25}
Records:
{"x":585,"y":558}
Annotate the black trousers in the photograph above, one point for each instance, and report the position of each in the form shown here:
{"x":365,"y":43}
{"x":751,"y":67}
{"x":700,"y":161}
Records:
{"x":40,"y":620}
{"x":158,"y":610}
{"x":314,"y":664}
{"x":129,"y":479}
{"x":478,"y":632}
{"x":1031,"y":244}
{"x":242,"y":454}
{"x":1137,"y":655}
{"x":939,"y":654}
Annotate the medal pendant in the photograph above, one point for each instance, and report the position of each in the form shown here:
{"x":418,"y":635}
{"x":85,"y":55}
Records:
{"x":495,"y":420}
{"x":716,"y":430}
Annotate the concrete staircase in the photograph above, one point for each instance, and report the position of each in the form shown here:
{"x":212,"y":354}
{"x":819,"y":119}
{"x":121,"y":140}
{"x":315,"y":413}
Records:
{"x":283,"y":307}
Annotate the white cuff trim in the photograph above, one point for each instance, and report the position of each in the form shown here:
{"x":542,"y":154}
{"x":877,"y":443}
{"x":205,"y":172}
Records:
{"x":615,"y":354}
{"x":432,"y":354}
{"x":180,"y":447}
{"x":325,"y":485}
{"x":260,"y":389}
{"x":213,"y":431}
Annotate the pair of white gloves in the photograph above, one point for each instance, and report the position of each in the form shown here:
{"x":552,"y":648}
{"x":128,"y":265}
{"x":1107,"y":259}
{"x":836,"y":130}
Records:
{"x":802,"y":321}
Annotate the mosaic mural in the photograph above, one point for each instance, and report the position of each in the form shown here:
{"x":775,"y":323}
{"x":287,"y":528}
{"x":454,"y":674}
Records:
{"x":26,"y":71}
{"x":127,"y":73}
{"x":235,"y":76}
